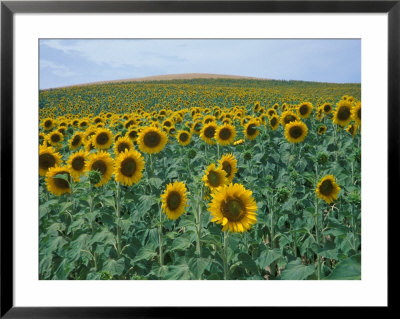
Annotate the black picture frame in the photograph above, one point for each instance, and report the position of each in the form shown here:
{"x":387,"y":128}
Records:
{"x":9,"y":8}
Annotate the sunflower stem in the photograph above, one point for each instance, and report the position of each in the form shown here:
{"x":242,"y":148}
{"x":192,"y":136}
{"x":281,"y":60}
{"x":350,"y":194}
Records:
{"x":117,"y":223}
{"x":198,"y":222}
{"x":160,"y":238}
{"x":316,"y":220}
{"x":272,"y":244}
{"x":225,"y":255}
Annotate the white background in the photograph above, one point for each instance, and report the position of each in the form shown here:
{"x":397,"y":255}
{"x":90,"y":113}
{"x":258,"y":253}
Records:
{"x":370,"y":291}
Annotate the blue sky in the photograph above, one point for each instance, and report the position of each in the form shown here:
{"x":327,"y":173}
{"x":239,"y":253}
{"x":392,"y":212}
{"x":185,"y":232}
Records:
{"x":67,"y":62}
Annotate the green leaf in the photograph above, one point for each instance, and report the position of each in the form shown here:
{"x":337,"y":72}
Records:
{"x":115,"y":267}
{"x":267,"y":257}
{"x":248,"y":262}
{"x":179,"y":272}
{"x":197,"y":266}
{"x":295,"y":270}
{"x":155,"y":181}
{"x":328,"y":251}
{"x":348,"y":269}
{"x":145,"y":253}
{"x":181,"y":243}
{"x":335,"y":228}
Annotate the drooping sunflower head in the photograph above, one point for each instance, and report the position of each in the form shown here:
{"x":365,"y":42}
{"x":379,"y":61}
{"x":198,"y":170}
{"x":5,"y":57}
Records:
{"x":228,"y":163}
{"x":152,"y":140}
{"x":250,"y":129}
{"x":129,"y":167}
{"x":225,"y":134}
{"x":58,"y":180}
{"x":77,"y":164}
{"x":352,"y":129}
{"x":296,"y":132}
{"x":55,"y":138}
{"x":327,"y":189}
{"x":102,"y":139}
{"x":208,"y":133}
{"x":214,"y":177}
{"x":104,"y":164}
{"x":48,"y":158}
{"x":174,"y":200}
{"x":356,"y":113}
{"x":122,"y":144}
{"x":304,"y":109}
{"x":234,"y":207}
{"x":321,"y":129}
{"x":183,"y":137}
{"x":342,"y":114}
{"x":274,"y":122}
{"x":76,"y":141}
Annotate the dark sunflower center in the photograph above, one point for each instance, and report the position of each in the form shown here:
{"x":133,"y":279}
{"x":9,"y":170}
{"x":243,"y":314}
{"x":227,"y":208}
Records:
{"x":351,"y":129}
{"x":98,"y":120}
{"x":128,"y":167}
{"x":76,"y":140}
{"x":303,"y":109}
{"x":122,"y":147}
{"x":129,"y":123}
{"x":55,"y":138}
{"x":226,"y":166}
{"x":78,"y":163}
{"x":152,"y":139}
{"x":83,"y":124}
{"x":102,"y":138}
{"x":173,"y":200}
{"x":133,"y":134}
{"x":61,"y":183}
{"x":208,"y":121}
{"x":48,"y":123}
{"x":327,"y":108}
{"x":251,"y":129}
{"x":289,"y":118}
{"x":321,"y":129}
{"x":100,"y":166}
{"x":172,"y":131}
{"x":274,"y":121}
{"x":343,"y":113}
{"x":359,"y":113}
{"x":46,"y":161}
{"x":232,"y":209}
{"x":197,"y":127}
{"x":167,"y":123}
{"x":214,"y":179}
{"x":270,"y":113}
{"x":209,"y":132}
{"x":295,"y":131}
{"x":183,"y":137}
{"x":225,"y":133}
{"x":75,"y":122}
{"x":326,"y":188}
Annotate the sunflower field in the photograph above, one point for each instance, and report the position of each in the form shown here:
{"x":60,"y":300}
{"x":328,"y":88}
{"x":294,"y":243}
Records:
{"x":203,"y":179}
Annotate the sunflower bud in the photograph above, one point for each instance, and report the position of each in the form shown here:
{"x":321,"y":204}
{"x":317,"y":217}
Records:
{"x":94,"y":177}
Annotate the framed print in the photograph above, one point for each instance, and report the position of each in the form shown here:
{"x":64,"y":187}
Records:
{"x":159,"y":155}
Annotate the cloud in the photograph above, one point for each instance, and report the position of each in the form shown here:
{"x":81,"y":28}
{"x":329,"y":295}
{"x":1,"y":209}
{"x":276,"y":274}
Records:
{"x":56,"y":69}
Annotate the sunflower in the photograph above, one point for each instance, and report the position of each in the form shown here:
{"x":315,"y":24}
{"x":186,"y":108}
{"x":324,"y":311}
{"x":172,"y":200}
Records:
{"x":271,"y":112}
{"x":132,"y":134}
{"x":47,"y":158}
{"x":238,"y":142}
{"x":42,"y":138}
{"x":208,"y":132}
{"x":274,"y":122}
{"x":304,"y":109}
{"x":209,"y":119}
{"x":48,"y":124}
{"x":90,"y":131}
{"x":55,"y":138}
{"x":122,"y":144}
{"x":196,"y":128}
{"x":102,"y":139}
{"x":327,"y":108}
{"x":296,"y":132}
{"x":288,"y":116}
{"x":174,"y":200}
{"x":76,"y":141}
{"x":327,"y":189}
{"x":152,"y":140}
{"x":228,"y":163}
{"x":214,"y":177}
{"x":234,"y":207}
{"x":183,"y":137}
{"x":320,"y":114}
{"x":342,"y":114}
{"x":352,"y":129}
{"x":56,"y":182}
{"x":321,"y":130}
{"x":103,"y":163}
{"x":128,"y":167}
{"x":250,"y":129}
{"x":225,"y":134}
{"x":356,"y":113}
{"x":77,"y":164}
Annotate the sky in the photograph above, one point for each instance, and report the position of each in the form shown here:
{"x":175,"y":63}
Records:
{"x":77,"y":61}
